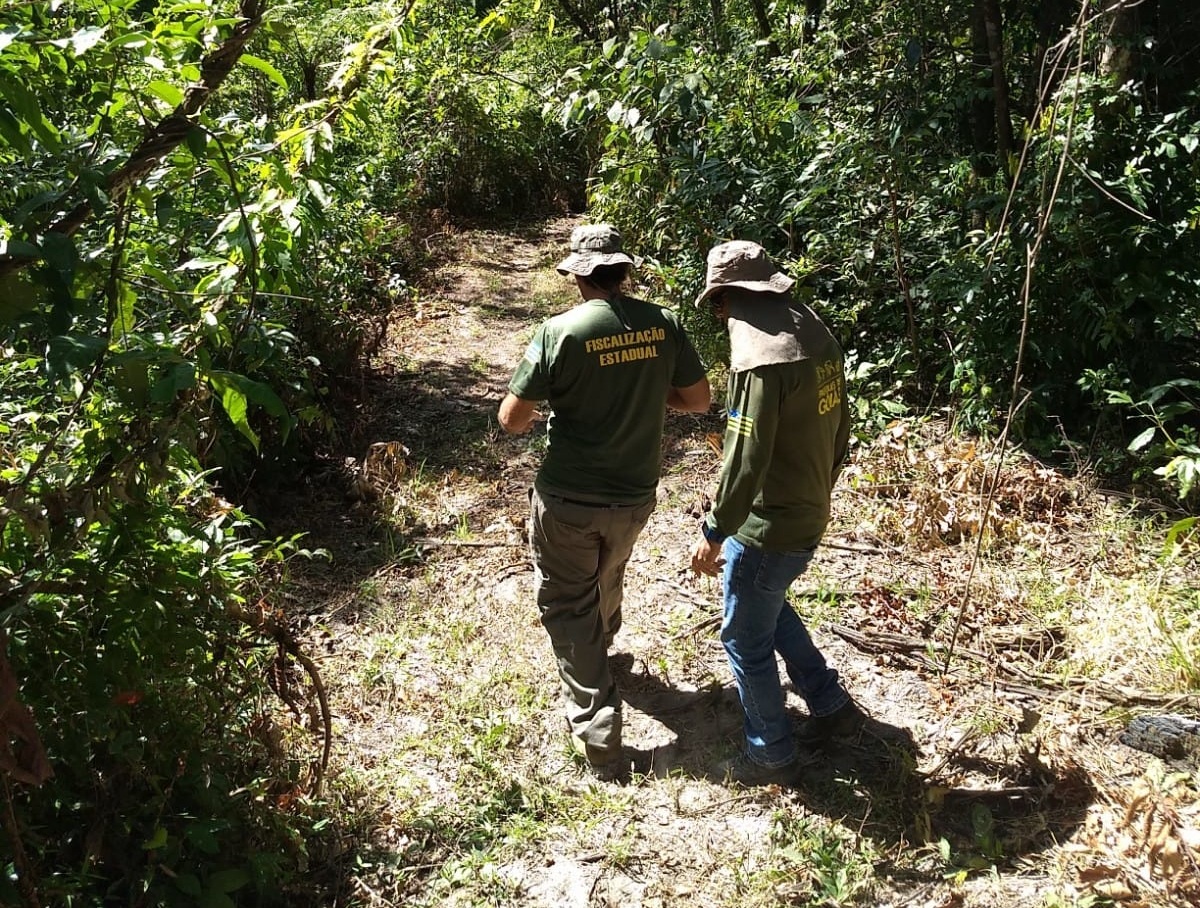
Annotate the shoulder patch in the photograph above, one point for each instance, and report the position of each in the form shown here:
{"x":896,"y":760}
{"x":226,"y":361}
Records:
{"x":740,"y":424}
{"x":533,"y":353}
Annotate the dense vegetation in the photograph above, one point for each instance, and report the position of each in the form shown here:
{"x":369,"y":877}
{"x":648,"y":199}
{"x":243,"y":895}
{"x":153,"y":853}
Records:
{"x":209,"y":206}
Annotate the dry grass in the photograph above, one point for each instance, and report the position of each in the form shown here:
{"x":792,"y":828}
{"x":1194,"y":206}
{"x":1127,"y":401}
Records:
{"x":993,"y":775}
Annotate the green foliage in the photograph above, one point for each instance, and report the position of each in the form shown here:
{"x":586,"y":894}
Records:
{"x":124,"y":580}
{"x":452,"y":119}
{"x":205,"y":222}
{"x":849,"y":154}
{"x":1170,"y":444}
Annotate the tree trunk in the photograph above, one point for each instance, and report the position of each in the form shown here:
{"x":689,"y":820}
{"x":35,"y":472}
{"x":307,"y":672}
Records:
{"x":1053,"y":17}
{"x":983,"y":116}
{"x":575,"y":14}
{"x":993,"y":25}
{"x":813,"y":9}
{"x":1120,"y":58}
{"x":718,"y":18}
{"x":764,"y":25}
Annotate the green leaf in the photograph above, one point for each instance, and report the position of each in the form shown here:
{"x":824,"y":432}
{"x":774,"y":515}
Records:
{"x":318,"y":192}
{"x":25,"y":105}
{"x":197,"y":142}
{"x":262,"y":394}
{"x":8,"y":35}
{"x":265,"y":68}
{"x":65,"y":352}
{"x":165,"y":91}
{"x":1178,"y":529}
{"x":10,"y":131}
{"x":17,"y":297}
{"x":189,"y":884}
{"x":1142,"y":440}
{"x":158,"y":840}
{"x":19,"y":249}
{"x":59,"y":252}
{"x":214,"y":898}
{"x":125,"y":315}
{"x":179,"y":377}
{"x":233,"y":401}
{"x":229,"y":880}
{"x":87,"y":38}
{"x":131,"y":377}
{"x":164,"y":208}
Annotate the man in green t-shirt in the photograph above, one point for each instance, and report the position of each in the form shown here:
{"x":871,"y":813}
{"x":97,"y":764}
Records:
{"x":785,"y":441}
{"x":609,"y":367}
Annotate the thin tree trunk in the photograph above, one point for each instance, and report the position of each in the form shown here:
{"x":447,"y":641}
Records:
{"x":983,"y":115}
{"x":575,"y":14}
{"x":718,"y":18}
{"x":1053,"y":17}
{"x":1120,"y":58}
{"x":813,"y":10}
{"x":764,"y":25}
{"x":994,"y":29}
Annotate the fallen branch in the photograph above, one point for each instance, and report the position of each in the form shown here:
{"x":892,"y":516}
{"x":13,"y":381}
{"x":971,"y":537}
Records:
{"x":1028,"y":682}
{"x":714,"y":621}
{"x":265,"y":623}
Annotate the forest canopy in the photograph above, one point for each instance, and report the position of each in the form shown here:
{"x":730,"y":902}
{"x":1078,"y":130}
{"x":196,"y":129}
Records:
{"x":209,"y":208}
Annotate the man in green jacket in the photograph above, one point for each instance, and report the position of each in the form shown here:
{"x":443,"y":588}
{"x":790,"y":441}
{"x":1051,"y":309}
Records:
{"x":609,"y":368}
{"x":785,"y":441}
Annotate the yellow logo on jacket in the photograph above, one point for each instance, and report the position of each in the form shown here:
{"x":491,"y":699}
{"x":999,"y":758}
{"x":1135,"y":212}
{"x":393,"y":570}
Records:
{"x":626,"y":347}
{"x":830,"y":382}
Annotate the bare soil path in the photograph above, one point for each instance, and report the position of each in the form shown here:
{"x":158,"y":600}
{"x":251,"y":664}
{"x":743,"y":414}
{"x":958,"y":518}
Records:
{"x":997,"y":782}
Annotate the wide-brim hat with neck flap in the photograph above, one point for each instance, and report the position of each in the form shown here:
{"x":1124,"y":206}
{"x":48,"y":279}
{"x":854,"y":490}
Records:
{"x":593,"y":245}
{"x":741,"y":263}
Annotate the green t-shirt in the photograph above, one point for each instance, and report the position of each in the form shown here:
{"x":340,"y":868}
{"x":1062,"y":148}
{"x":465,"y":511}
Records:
{"x":606,"y":367}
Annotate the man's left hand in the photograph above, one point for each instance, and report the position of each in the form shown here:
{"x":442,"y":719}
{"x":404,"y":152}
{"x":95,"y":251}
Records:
{"x":707,"y":558}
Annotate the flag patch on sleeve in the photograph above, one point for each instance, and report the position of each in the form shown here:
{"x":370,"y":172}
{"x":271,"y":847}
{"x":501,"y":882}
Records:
{"x":740,"y":423}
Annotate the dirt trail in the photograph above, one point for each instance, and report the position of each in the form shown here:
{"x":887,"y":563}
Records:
{"x":446,"y":698}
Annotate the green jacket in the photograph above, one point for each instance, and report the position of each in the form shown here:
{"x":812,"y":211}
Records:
{"x":785,"y":441}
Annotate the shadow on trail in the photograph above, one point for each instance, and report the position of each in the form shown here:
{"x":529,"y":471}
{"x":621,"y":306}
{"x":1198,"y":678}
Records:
{"x":870,"y":783}
{"x":406,"y":468}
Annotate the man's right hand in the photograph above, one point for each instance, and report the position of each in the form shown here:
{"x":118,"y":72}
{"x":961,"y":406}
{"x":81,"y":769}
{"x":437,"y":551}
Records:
{"x":517,"y":415}
{"x":707,"y":558}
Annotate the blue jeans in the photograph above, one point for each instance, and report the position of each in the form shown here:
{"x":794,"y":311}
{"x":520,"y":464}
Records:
{"x":760,"y":622}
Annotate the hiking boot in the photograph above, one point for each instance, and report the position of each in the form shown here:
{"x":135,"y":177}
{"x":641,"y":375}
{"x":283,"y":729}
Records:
{"x":844,"y":722}
{"x":743,"y":770}
{"x":603,"y":763}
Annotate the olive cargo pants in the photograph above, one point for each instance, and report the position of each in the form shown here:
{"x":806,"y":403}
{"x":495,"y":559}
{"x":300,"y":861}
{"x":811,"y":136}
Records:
{"x":579,"y":555}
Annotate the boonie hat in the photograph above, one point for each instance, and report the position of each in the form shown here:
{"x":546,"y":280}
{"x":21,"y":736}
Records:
{"x":593,"y":245}
{"x":741,"y":263}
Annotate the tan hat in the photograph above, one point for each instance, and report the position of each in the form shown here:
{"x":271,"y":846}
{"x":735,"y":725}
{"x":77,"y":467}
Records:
{"x":592,"y":245}
{"x":741,"y":263}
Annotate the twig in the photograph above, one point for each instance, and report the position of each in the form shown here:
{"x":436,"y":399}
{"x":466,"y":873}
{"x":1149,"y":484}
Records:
{"x":861,"y":549}
{"x":714,"y":621}
{"x":465,"y":543}
{"x":740,"y":799}
{"x":690,"y":595}
{"x":954,"y":748}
